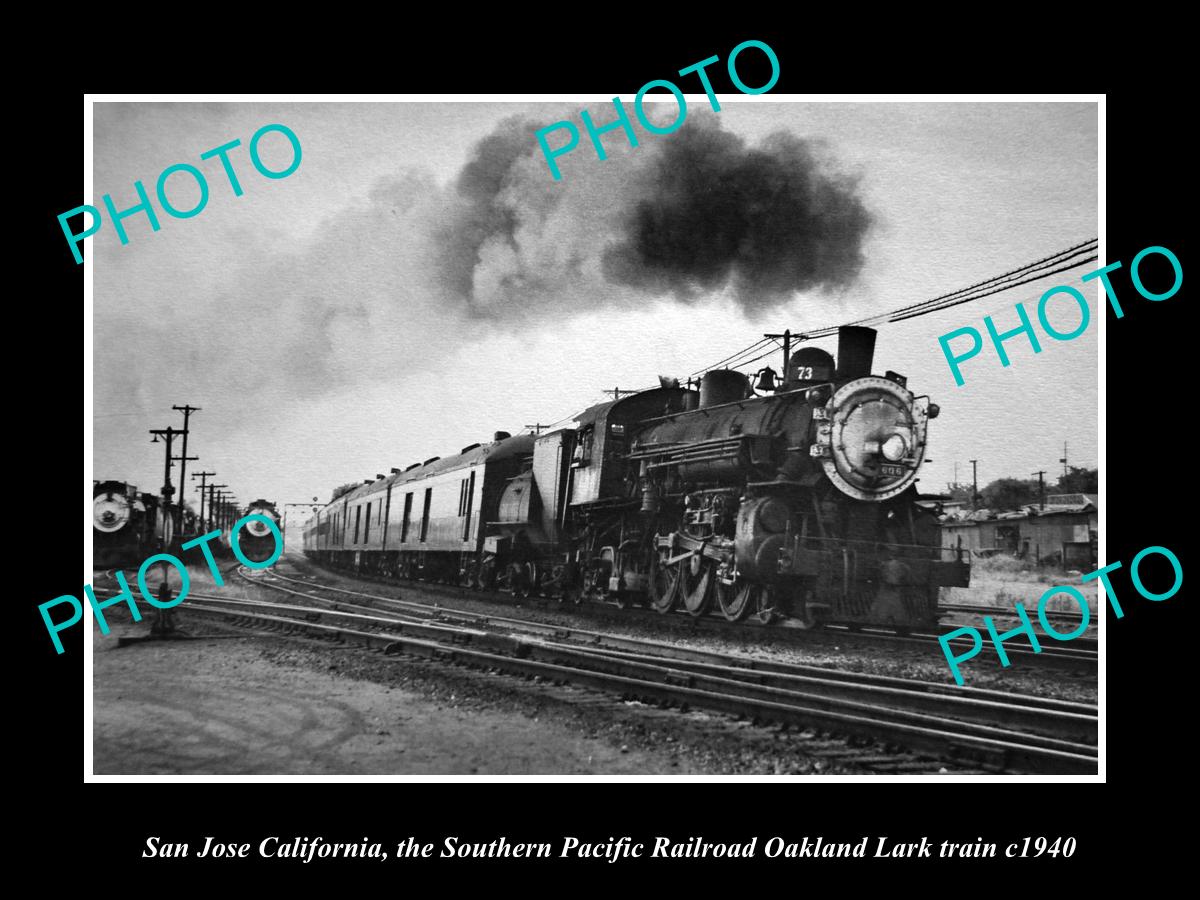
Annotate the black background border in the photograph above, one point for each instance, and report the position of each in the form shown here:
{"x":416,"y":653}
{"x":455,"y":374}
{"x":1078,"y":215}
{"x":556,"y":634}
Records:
{"x":1145,"y":670}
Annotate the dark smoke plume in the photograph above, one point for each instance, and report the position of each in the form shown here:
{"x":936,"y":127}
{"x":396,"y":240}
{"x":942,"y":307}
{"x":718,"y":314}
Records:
{"x":686,"y":215}
{"x":766,"y":221}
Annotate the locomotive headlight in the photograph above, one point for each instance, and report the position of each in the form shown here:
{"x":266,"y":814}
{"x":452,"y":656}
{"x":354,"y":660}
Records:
{"x":894,"y":448}
{"x":257,"y":527}
{"x":110,"y":512}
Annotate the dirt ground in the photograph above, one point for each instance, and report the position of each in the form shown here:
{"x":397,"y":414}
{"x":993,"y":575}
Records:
{"x":216,"y":706}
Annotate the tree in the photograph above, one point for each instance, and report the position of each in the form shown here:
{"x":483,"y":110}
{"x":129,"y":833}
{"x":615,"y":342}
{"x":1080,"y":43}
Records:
{"x":1010,"y":493}
{"x":344,"y":489}
{"x":961,"y":492}
{"x":1079,"y":481}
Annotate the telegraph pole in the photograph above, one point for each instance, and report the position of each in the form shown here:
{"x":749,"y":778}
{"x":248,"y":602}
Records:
{"x":167,"y":434}
{"x":1064,"y":459}
{"x":787,"y":350}
{"x":187,"y":410}
{"x":616,"y":394}
{"x":1041,"y":473}
{"x":538,"y":426}
{"x":212,"y":503}
{"x":974,"y":484}
{"x":203,"y":477}
{"x":226,"y":508}
{"x":182,"y":485}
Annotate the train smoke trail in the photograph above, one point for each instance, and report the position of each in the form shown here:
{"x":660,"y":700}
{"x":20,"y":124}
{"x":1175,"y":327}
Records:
{"x":686,"y":216}
{"x":767,"y":221}
{"x":404,"y":276}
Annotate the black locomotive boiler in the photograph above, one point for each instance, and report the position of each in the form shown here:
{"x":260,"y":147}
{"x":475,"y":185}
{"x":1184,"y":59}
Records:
{"x":800,"y":501}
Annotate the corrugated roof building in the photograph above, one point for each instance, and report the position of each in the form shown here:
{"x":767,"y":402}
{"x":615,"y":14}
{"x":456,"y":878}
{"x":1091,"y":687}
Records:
{"x":1065,"y":532}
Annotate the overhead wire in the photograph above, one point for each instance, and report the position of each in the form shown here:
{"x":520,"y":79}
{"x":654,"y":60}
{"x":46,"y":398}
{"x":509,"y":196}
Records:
{"x":1053,"y":264}
{"x":1043,"y":268}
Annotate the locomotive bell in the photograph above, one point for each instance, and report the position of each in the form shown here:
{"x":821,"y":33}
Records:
{"x":766,"y":380}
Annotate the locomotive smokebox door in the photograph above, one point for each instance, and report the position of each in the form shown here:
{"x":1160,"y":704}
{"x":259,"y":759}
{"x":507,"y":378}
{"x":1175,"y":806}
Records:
{"x":871,"y":438}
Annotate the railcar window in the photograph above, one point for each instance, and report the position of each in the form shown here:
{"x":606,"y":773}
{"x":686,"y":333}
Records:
{"x":425,"y":514}
{"x":470,"y":485}
{"x":407,"y":516}
{"x":357,"y":522}
{"x":583,"y":448}
{"x":367,"y":527}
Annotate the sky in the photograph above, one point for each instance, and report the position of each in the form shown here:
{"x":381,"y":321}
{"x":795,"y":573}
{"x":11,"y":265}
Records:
{"x":421,"y":281}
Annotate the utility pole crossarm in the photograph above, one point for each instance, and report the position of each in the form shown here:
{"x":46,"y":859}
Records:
{"x":787,"y":350}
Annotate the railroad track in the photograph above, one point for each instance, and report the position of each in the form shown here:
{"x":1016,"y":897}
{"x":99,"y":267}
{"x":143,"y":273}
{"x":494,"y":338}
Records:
{"x":1082,"y":653}
{"x":988,"y":729}
{"x":1053,"y":615}
{"x":594,"y":638}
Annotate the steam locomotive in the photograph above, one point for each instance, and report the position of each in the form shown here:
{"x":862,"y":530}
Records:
{"x":255,"y":539}
{"x":797,"y":501}
{"x":125,"y":524}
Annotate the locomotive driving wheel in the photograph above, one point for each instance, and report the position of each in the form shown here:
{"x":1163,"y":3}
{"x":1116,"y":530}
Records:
{"x":570,"y":584}
{"x":736,"y":600}
{"x":523,"y":579}
{"x":765,"y":608}
{"x":697,"y":584}
{"x":664,"y":581}
{"x":485,"y":579}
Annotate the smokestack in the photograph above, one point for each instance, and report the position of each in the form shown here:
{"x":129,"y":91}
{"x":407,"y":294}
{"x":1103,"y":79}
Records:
{"x":856,"y":352}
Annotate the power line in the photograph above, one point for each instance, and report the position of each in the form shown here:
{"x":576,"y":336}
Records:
{"x":732,"y":356}
{"x":1020,"y":271}
{"x":997,"y":283}
{"x":997,"y":290}
{"x":1021,"y":275}
{"x":977,"y":291}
